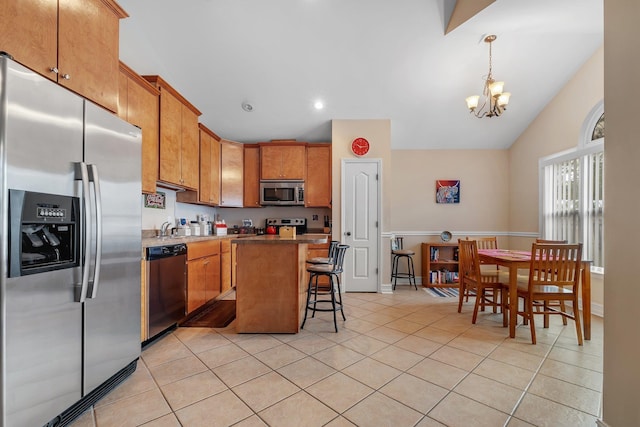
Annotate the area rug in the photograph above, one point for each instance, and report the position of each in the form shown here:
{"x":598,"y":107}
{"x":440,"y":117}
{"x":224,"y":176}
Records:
{"x":215,"y":315}
{"x":442,"y":292}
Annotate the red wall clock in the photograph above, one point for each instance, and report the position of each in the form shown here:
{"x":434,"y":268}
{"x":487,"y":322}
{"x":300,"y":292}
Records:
{"x":360,"y":146}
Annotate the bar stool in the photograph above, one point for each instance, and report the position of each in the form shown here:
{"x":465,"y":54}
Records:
{"x":399,"y":253}
{"x":332,"y":271}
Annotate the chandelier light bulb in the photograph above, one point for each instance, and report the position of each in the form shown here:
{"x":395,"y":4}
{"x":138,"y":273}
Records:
{"x":503,"y":99}
{"x":496,"y":88}
{"x":472,"y":102}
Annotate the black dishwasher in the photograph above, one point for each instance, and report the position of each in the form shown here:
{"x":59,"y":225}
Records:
{"x":166,"y":300}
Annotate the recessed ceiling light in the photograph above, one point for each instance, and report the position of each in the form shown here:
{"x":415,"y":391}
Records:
{"x":318,"y":105}
{"x":247,"y":107}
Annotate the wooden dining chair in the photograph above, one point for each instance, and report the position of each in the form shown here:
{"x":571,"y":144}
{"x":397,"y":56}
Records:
{"x":554,"y":276}
{"x":558,"y":303}
{"x":473,"y":280}
{"x":488,"y":243}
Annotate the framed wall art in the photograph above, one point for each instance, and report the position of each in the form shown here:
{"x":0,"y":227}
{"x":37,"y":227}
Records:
{"x":157,"y":200}
{"x":447,"y":191}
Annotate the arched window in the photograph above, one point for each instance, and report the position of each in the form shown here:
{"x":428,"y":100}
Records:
{"x":572,"y":189}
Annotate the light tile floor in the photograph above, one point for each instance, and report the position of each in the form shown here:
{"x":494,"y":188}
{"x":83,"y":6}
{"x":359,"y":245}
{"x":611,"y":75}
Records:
{"x":401,"y":359}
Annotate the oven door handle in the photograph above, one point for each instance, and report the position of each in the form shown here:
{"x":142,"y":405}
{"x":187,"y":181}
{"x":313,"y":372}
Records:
{"x":94,"y":177}
{"x":82,"y":174}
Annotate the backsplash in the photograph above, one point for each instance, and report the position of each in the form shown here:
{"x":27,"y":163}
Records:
{"x":153,"y":218}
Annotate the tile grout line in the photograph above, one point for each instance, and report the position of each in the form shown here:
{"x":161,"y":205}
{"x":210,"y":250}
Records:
{"x":535,"y":374}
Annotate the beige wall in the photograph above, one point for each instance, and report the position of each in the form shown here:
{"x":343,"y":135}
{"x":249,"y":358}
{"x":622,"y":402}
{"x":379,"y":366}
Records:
{"x":484,"y":190}
{"x":622,"y":176}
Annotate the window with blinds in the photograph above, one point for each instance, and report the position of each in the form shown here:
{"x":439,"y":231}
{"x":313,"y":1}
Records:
{"x":573,"y":203}
{"x":572,"y":194}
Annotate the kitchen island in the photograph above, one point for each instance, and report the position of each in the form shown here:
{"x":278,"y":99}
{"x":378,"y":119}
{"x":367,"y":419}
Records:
{"x":270,"y":287}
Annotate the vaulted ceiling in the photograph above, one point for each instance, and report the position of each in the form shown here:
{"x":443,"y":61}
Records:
{"x":364,"y":59}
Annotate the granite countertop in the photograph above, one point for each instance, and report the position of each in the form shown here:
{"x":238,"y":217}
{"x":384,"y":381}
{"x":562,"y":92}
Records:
{"x":275,"y":239}
{"x":148,"y":242}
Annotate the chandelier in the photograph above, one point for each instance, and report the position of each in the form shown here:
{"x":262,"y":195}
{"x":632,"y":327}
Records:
{"x":494,"y":100}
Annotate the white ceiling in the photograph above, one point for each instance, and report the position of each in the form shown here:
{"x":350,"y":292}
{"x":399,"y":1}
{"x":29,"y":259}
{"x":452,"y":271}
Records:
{"x":365,"y":59}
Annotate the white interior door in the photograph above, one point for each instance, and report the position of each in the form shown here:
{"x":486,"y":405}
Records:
{"x":360,"y":219}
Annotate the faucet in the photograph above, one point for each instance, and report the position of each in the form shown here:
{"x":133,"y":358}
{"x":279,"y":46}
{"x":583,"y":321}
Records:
{"x":163,"y":228}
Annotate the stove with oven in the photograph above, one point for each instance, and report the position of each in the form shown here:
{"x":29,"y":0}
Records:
{"x":299,"y":223}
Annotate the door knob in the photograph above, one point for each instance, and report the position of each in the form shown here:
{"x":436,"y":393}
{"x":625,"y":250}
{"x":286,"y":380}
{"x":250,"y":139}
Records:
{"x":348,"y":233}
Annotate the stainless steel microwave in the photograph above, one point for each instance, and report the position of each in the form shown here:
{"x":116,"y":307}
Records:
{"x":282,"y":193}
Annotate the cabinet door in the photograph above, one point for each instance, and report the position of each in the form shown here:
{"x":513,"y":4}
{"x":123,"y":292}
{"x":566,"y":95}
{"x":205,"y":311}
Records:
{"x":294,"y":162}
{"x":212,"y":277}
{"x":225,"y":265}
{"x":251,"y":193}
{"x":209,"y":191}
{"x":317,"y":186}
{"x":170,"y":136}
{"x":204,"y":190}
{"x":88,"y":50}
{"x":190,"y":149}
{"x":79,"y":42}
{"x":29,"y":33}
{"x":232,"y":165}
{"x":196,"y":295}
{"x":282,"y":162}
{"x":138,"y":104}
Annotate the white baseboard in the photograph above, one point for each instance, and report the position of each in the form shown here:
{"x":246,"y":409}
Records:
{"x":601,"y":423}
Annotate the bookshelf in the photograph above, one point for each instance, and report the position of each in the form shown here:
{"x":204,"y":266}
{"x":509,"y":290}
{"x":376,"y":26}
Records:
{"x":440,"y":264}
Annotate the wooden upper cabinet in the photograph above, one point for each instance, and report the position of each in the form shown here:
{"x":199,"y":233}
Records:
{"x":232,"y":173}
{"x":282,"y":160}
{"x":138,"y":103}
{"x":209,"y":167}
{"x":179,"y":138}
{"x":251,"y":192}
{"x":317,"y":186}
{"x":209,"y":185}
{"x":74,"y":45}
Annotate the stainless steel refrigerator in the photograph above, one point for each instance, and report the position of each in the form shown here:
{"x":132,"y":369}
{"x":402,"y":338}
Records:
{"x":70,"y":221}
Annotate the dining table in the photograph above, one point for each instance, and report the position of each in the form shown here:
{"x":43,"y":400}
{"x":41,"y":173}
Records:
{"x":515,"y":260}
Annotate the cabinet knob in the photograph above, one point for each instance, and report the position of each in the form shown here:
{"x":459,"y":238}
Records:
{"x":66,"y":76}
{"x":53,"y":69}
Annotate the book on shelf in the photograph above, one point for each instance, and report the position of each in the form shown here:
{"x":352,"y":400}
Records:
{"x":435,"y":254}
{"x":443,"y":276}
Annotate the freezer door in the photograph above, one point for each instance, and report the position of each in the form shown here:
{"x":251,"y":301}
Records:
{"x":41,"y":139}
{"x":112,"y":308}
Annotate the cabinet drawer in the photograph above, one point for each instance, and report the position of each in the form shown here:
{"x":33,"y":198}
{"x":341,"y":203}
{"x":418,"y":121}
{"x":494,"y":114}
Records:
{"x":201,"y":249}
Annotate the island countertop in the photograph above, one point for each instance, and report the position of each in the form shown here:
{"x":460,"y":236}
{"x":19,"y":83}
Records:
{"x":275,"y":239}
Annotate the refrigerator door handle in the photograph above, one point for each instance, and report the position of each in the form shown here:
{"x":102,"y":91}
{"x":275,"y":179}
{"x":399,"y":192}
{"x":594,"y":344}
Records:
{"x":82,"y":174}
{"x":94,"y":177}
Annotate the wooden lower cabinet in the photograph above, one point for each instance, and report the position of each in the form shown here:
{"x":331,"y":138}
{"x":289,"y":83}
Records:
{"x":203,"y":273}
{"x":225,"y":265}
{"x":317,"y":250}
